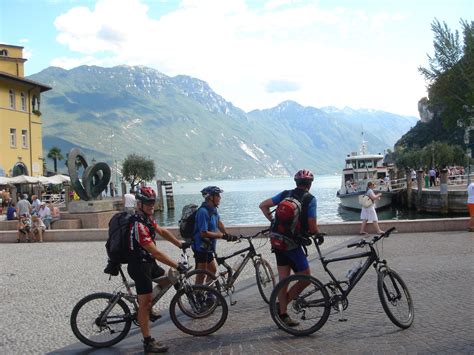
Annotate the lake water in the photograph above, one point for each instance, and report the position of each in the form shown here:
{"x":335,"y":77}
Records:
{"x":240,"y":200}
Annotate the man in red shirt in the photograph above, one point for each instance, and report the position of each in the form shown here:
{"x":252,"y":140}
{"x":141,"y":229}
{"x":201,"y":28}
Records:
{"x":143,"y":268}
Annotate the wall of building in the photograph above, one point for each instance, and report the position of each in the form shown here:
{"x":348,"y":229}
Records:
{"x":21,"y":117}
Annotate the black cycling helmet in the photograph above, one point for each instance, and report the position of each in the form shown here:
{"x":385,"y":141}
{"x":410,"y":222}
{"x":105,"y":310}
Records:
{"x":211,"y":191}
{"x":304,"y":177}
{"x":146,"y":194}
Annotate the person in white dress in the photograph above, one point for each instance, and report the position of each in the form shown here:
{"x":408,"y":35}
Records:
{"x":368,"y":214}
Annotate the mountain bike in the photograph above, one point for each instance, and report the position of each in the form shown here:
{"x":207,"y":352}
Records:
{"x":225,"y":280}
{"x":310,"y":301}
{"x":104,"y":319}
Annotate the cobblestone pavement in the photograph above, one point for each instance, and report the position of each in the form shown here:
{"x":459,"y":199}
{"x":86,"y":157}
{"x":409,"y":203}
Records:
{"x":40,"y":283}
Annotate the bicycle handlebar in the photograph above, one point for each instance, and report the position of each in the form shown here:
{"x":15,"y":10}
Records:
{"x":363,"y":242}
{"x":255,"y":235}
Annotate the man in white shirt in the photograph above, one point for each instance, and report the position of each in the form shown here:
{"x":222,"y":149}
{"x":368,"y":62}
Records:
{"x":129,"y":202}
{"x":35,"y":204}
{"x":45,"y":214}
{"x":470,"y":205}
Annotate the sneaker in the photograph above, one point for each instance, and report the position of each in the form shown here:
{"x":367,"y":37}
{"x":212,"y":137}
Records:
{"x":153,"y":347}
{"x":288,"y":321}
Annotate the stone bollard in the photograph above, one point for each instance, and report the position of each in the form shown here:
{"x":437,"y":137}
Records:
{"x":159,"y":202}
{"x":443,"y":191}
{"x":419,"y":182}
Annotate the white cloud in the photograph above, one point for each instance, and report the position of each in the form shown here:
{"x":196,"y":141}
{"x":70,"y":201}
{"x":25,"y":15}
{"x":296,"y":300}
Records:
{"x":331,"y":57}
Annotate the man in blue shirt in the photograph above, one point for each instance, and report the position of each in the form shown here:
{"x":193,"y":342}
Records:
{"x":294,"y":259}
{"x":207,"y":229}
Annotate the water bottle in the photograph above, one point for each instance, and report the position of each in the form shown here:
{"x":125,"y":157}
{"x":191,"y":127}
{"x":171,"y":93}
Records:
{"x":353,"y":271}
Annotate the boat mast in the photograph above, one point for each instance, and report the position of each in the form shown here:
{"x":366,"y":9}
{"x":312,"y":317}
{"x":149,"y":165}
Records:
{"x":363,"y":147}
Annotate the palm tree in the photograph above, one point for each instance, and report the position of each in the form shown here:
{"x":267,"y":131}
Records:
{"x":55,"y":154}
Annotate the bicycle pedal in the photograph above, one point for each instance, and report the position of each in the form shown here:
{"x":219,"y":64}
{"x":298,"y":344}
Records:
{"x":233,"y":303}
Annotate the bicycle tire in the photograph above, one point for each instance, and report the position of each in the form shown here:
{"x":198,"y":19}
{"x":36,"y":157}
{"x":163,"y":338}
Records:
{"x":194,"y":294}
{"x":394,"y":295}
{"x":87,"y":312}
{"x":299,"y":306}
{"x":190,"y":276}
{"x":265,"y":278}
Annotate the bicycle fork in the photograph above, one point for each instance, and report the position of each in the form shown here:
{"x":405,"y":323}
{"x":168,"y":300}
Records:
{"x":101,"y":320}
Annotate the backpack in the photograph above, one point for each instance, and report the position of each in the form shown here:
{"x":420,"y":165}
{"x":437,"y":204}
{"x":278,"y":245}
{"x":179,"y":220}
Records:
{"x":117,"y":244}
{"x":286,"y":227}
{"x":187,"y":222}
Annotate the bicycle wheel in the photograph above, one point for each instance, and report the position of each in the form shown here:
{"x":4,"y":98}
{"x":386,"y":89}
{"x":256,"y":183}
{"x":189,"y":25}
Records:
{"x":265,"y":278}
{"x":206,"y":310}
{"x":94,"y":324}
{"x":309,"y":308}
{"x":395,"y":298}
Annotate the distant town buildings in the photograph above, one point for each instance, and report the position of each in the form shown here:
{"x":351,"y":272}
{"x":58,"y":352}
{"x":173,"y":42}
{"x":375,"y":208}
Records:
{"x":21,"y":147}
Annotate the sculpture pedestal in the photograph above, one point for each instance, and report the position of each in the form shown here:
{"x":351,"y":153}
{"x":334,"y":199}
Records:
{"x":91,"y":206}
{"x":92,"y":214}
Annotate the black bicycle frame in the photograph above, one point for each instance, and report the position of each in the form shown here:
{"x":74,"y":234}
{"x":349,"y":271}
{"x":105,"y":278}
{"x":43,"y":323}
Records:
{"x":233,"y":275}
{"x":372,"y":257}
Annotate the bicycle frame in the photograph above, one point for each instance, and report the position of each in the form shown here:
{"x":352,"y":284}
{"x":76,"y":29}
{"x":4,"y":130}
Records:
{"x":233,"y":275}
{"x":372,"y":259}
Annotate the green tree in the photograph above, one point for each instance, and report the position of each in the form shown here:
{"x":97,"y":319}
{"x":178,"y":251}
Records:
{"x":435,"y":154}
{"x":450,"y":74}
{"x":55,"y":154}
{"x":136,"y":168}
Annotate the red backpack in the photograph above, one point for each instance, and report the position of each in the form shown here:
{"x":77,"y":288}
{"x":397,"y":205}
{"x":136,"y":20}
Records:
{"x":286,"y":226}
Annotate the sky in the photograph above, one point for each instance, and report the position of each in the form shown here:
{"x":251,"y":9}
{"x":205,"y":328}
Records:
{"x":255,"y":54}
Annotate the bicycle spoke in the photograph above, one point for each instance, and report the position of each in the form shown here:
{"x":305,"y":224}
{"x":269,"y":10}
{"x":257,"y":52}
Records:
{"x":95,"y":324}
{"x":308,"y":311}
{"x":395,"y":299}
{"x":198,"y":311}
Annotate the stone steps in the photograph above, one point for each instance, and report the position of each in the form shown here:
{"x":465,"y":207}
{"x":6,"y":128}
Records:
{"x":61,"y":224}
{"x":342,"y":228}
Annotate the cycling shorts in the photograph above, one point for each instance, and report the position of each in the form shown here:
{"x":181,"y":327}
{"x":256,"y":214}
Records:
{"x":203,"y":257}
{"x":143,"y":274}
{"x":296,"y":259}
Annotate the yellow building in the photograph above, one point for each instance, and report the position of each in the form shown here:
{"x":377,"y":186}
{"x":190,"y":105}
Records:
{"x":21,"y":145}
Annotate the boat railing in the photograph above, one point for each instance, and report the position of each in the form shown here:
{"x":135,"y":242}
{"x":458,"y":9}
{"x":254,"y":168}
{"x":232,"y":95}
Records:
{"x":458,"y":179}
{"x":398,"y":184}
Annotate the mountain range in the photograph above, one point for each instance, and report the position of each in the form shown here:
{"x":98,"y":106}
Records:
{"x":192,"y":133}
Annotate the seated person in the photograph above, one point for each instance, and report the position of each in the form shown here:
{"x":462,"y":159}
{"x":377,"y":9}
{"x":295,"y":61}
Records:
{"x":37,"y":228}
{"x":45,"y":214}
{"x":24,"y":228}
{"x":55,"y":213}
{"x":11,"y":212}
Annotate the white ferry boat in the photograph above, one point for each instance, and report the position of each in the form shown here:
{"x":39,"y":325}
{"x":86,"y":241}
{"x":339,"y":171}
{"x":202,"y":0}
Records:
{"x":358,"y":171}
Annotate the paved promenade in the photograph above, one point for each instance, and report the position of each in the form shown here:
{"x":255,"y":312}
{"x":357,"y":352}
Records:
{"x":40,"y":283}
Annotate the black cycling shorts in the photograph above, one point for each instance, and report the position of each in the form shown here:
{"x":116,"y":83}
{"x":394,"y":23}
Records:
{"x":203,"y":257}
{"x":143,"y":274}
{"x":296,"y":259}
